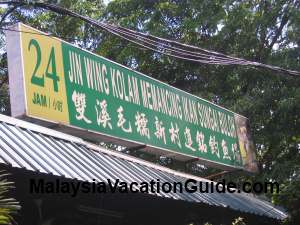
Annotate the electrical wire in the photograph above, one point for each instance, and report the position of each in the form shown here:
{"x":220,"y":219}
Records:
{"x":164,"y":43}
{"x":163,"y":52}
{"x":160,"y":45}
{"x":200,"y":57}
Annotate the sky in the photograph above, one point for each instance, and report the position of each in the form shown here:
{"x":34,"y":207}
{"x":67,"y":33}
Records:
{"x":106,"y":1}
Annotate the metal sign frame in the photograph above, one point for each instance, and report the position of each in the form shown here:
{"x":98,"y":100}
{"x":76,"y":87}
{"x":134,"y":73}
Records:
{"x":53,"y":83}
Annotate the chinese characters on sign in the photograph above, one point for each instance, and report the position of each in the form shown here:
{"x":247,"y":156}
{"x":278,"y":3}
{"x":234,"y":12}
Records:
{"x":90,"y":92}
{"x":141,"y":121}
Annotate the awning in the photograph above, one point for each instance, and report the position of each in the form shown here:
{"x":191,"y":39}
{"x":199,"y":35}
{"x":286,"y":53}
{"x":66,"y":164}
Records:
{"x":39,"y":149}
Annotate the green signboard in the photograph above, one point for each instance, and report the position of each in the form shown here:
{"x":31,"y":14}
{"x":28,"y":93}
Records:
{"x":65,"y":84}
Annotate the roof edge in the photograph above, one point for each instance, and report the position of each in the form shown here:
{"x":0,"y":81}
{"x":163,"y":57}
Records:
{"x":38,"y":128}
{"x":61,"y":135}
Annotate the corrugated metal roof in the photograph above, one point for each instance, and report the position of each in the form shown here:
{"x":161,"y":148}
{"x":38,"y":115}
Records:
{"x":36,"y":148}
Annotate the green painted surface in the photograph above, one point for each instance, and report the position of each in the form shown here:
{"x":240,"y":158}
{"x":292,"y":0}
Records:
{"x":111,"y":99}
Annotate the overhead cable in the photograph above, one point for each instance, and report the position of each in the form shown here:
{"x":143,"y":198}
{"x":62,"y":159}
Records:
{"x":160,"y":45}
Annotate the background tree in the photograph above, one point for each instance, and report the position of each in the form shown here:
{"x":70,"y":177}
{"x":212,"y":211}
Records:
{"x":265,"y":31}
{"x":67,"y":28}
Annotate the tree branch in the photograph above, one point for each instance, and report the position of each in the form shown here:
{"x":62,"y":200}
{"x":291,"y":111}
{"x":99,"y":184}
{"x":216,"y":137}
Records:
{"x":9,"y":11}
{"x":284,"y":21}
{"x":5,"y":79}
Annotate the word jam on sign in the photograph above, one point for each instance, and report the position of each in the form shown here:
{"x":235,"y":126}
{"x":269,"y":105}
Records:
{"x":54,"y":81}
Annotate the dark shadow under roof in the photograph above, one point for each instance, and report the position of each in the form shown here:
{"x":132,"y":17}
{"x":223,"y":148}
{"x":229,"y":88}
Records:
{"x":39,"y":149}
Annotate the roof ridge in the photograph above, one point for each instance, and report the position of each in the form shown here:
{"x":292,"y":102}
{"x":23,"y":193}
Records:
{"x":39,"y":128}
{"x":266,"y":208}
{"x":61,"y":135}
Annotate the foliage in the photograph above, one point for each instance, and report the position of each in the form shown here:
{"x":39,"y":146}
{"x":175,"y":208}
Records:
{"x":8,"y":206}
{"x":238,"y":221}
{"x":265,"y":31}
